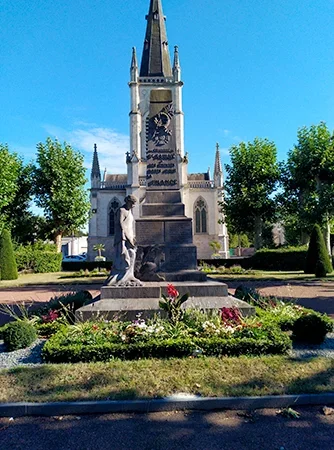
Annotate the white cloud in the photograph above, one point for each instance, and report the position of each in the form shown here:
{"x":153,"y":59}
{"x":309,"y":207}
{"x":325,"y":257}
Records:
{"x":111,"y":145}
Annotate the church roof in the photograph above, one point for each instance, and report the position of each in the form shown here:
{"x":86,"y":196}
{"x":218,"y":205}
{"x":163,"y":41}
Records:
{"x":199,"y":176}
{"x":119,"y":178}
{"x":155,"y":60}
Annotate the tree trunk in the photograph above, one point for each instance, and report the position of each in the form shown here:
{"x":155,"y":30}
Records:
{"x":304,"y":237}
{"x":58,"y":242}
{"x":327,"y":237}
{"x":258,"y":233}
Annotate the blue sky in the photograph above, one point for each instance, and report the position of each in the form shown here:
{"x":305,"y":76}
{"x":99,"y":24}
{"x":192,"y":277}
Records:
{"x":250,"y":67}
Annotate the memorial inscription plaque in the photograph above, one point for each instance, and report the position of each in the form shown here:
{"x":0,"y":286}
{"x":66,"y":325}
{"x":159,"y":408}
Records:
{"x":161,"y":172}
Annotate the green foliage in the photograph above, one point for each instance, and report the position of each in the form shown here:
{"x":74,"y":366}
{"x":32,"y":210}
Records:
{"x":308,"y":179}
{"x":38,"y":257}
{"x":10,"y":167}
{"x":247,"y":294}
{"x":172,"y":304}
{"x":19,"y":334}
{"x":67,"y":304}
{"x":283,"y":258}
{"x":8,"y":266}
{"x":251,"y":180}
{"x":317,"y":258}
{"x":310,"y":328}
{"x":60,"y":187}
{"x":59,"y":350}
{"x":46,"y":330}
{"x":239,"y":240}
{"x":45,"y":262}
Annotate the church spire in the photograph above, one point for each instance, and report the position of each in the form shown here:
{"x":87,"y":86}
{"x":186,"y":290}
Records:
{"x":155,"y":60}
{"x":218,"y":171}
{"x":95,"y":175}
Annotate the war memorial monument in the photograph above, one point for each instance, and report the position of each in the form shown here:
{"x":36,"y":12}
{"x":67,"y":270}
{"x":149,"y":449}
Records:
{"x":153,"y":238}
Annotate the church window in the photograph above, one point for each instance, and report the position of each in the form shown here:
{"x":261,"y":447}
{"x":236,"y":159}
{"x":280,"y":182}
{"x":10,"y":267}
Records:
{"x":201,"y":214}
{"x":113,"y":207}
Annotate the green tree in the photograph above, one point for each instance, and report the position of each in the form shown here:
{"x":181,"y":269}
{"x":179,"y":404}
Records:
{"x":8,"y":266}
{"x":251,"y":180}
{"x":308,"y":182}
{"x":99,"y":248}
{"x":60,"y":188}
{"x":317,"y":258}
{"x":10,"y":167}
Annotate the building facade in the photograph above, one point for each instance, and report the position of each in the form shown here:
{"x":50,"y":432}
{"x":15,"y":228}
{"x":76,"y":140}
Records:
{"x":157,"y":81}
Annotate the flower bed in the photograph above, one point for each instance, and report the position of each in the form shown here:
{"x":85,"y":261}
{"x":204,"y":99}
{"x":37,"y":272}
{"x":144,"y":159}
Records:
{"x":184,"y":333}
{"x":158,"y":339}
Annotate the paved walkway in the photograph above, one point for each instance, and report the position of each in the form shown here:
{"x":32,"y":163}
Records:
{"x":318,"y":295}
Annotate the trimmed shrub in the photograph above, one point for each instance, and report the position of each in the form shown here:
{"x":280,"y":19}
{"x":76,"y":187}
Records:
{"x":310,"y":328}
{"x":46,"y":330}
{"x":56,"y":350}
{"x":8,"y":266}
{"x":47,"y":261}
{"x":76,"y":266}
{"x":39,"y":257}
{"x":280,"y":259}
{"x":19,"y":334}
{"x":317,"y":258}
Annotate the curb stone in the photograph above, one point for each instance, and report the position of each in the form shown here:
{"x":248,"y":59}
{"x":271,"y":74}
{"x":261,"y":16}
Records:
{"x":176,"y":402}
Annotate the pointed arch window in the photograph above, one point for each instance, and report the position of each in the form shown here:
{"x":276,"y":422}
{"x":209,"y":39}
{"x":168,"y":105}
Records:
{"x":201,"y":216}
{"x":113,"y":207}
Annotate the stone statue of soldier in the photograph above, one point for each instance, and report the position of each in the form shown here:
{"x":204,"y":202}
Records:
{"x":122,"y":272}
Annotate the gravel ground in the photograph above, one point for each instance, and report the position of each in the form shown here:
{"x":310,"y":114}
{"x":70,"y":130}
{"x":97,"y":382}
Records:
{"x":31,"y":356}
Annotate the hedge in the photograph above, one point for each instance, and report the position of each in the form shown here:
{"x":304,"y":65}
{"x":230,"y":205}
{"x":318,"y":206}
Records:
{"x":282,"y":259}
{"x":8,"y":266}
{"x":76,"y":266}
{"x":39,"y":261}
{"x":55,"y":351}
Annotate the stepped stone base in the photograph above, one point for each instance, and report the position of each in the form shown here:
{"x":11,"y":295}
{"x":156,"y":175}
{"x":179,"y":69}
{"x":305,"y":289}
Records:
{"x":126,"y":303}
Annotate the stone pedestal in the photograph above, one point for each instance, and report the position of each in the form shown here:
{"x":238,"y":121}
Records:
{"x":126,"y":303}
{"x":162,"y":222}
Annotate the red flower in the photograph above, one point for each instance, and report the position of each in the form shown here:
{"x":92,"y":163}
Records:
{"x":50,"y":316}
{"x":230,"y":315}
{"x":95,"y":327}
{"x":171,"y":291}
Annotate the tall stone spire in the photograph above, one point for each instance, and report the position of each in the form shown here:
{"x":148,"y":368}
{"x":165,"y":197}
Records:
{"x":95,"y":175}
{"x":218,"y":171}
{"x":155,"y":60}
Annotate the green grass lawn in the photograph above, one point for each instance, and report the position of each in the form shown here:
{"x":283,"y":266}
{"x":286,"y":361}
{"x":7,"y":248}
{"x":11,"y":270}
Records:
{"x":257,"y":275}
{"x":57,"y":278}
{"x":142,"y":379}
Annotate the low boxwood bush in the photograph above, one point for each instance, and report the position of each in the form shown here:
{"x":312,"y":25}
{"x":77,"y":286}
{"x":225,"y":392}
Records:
{"x":59,"y":348}
{"x":46,"y":330}
{"x":311,"y":328}
{"x":19,"y":334}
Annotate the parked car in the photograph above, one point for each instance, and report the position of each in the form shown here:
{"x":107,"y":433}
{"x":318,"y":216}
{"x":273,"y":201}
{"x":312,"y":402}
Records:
{"x":74,"y":258}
